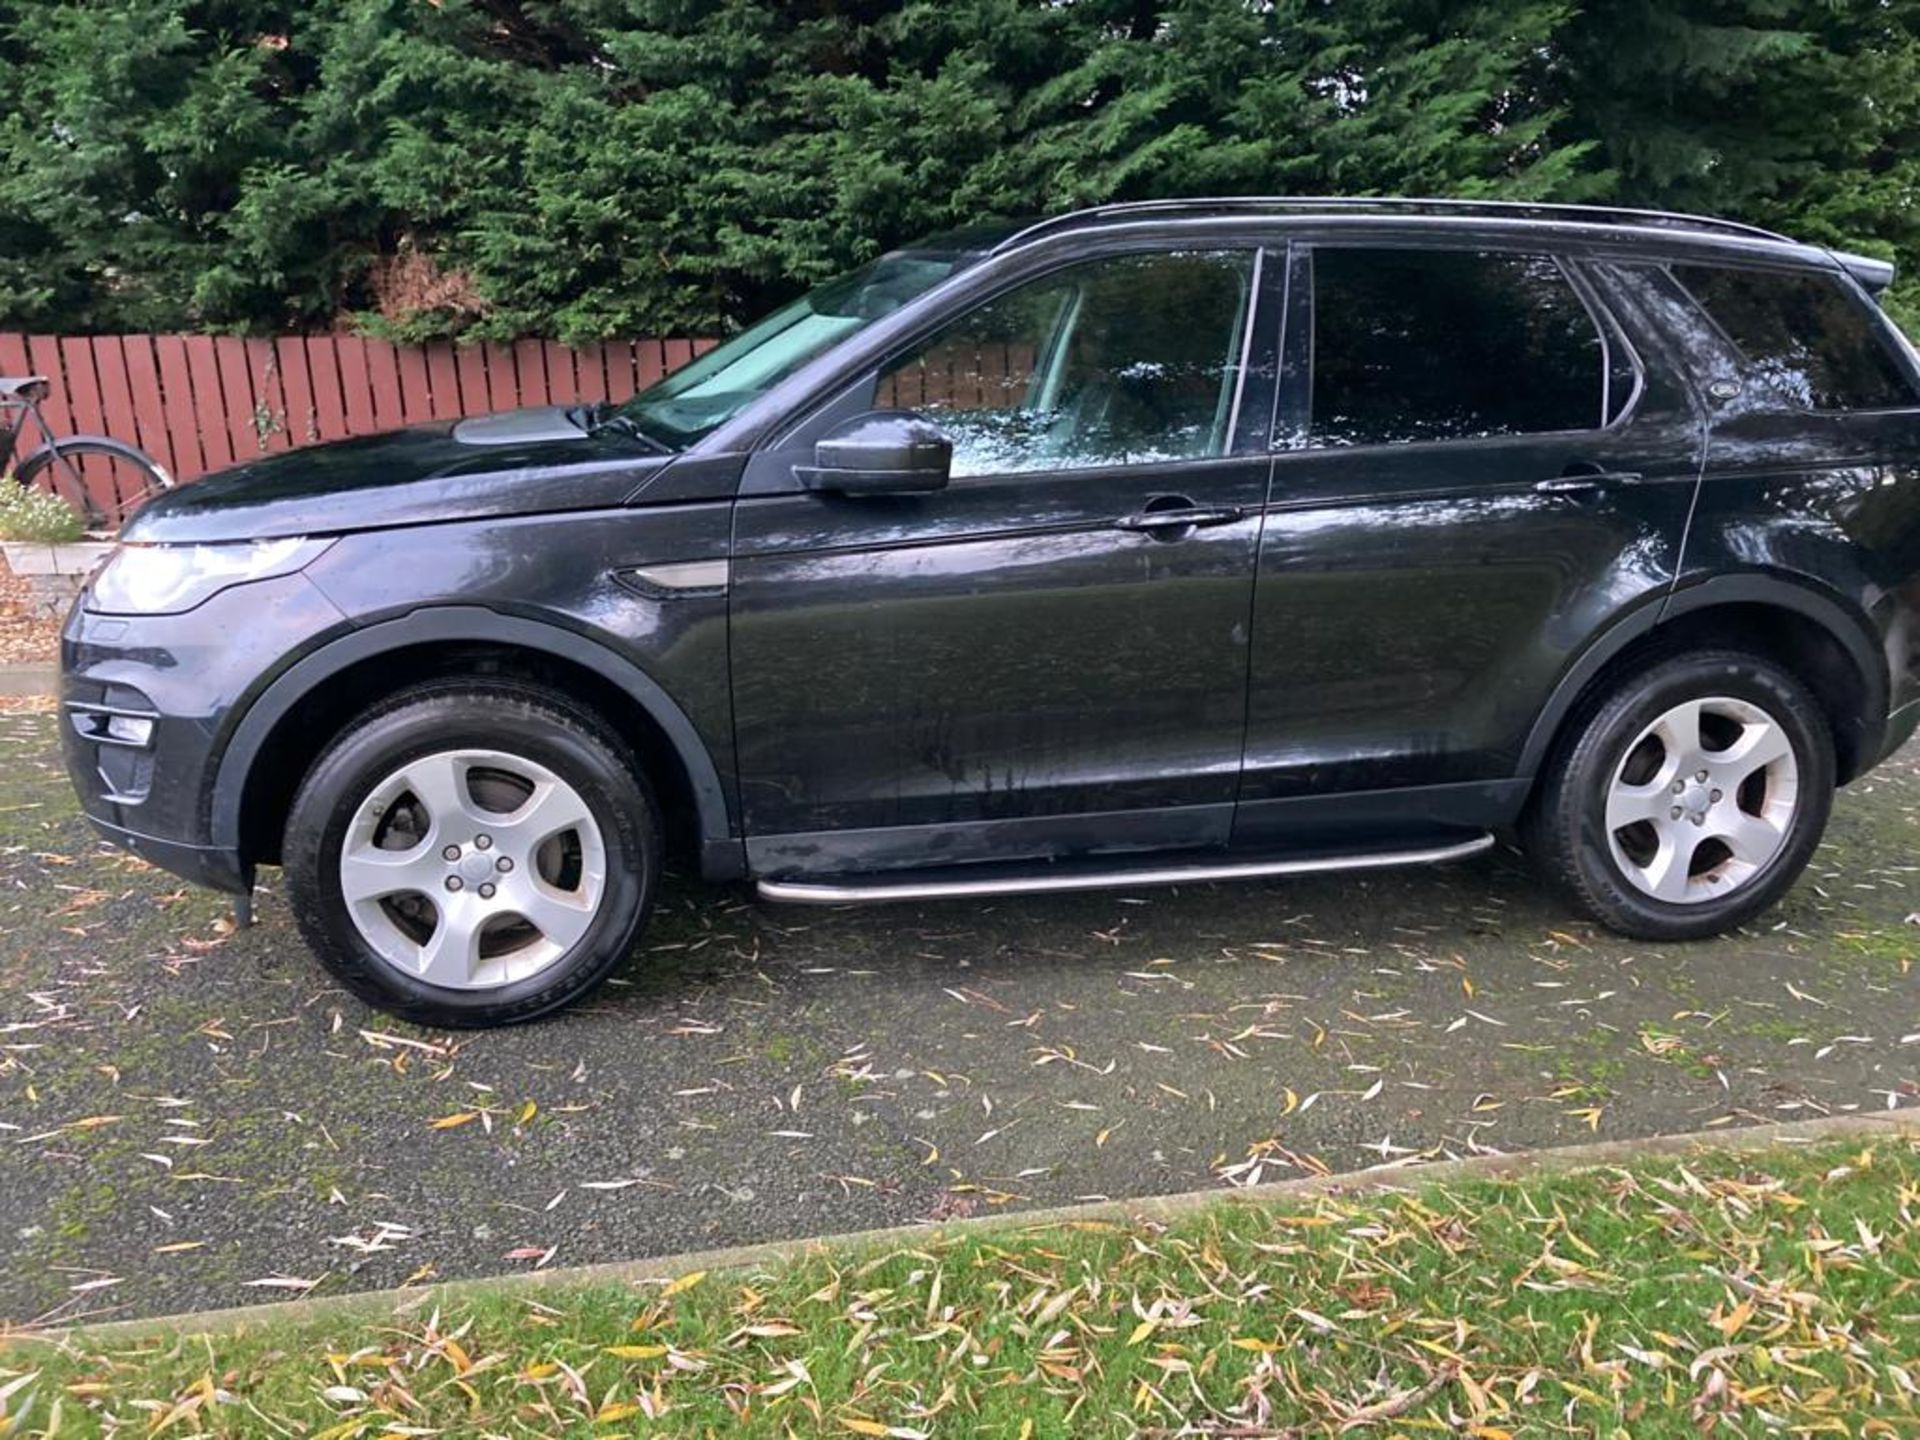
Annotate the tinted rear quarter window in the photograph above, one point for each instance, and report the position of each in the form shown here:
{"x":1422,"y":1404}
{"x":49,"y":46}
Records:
{"x":1808,"y":336}
{"x":1449,"y":345}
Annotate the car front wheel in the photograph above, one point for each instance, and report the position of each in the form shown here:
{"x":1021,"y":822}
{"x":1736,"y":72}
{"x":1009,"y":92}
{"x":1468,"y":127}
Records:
{"x":1690,"y":799}
{"x":472,"y":854}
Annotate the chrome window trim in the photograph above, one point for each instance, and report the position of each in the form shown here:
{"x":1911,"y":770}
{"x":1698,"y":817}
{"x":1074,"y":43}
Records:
{"x":1246,"y":349}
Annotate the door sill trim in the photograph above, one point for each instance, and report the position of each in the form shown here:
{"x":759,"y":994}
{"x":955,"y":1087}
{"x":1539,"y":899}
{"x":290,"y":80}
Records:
{"x":876,"y":890}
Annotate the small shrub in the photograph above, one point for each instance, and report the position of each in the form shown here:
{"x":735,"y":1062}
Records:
{"x":30,"y":513}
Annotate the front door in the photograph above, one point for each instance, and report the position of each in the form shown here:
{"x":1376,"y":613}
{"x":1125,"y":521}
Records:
{"x":1482,"y":467}
{"x":1049,"y":656}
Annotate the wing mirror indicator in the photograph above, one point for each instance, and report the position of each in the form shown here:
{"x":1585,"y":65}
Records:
{"x":885,"y":452}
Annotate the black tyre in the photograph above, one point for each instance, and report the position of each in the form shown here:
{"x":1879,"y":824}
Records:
{"x":103,"y":479}
{"x":1690,"y":799}
{"x":472,"y":854}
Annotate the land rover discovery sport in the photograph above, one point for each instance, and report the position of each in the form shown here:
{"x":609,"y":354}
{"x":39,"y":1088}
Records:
{"x":1158,"y":543}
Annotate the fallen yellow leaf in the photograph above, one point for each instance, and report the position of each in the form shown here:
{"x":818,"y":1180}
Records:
{"x":685,"y":1282}
{"x":1735,"y":1320}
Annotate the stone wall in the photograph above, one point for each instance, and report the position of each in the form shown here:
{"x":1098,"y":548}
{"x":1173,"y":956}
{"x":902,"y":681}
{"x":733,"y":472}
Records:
{"x":53,"y":574}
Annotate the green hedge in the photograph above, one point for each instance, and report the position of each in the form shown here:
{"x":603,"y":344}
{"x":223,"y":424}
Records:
{"x":591,"y":168}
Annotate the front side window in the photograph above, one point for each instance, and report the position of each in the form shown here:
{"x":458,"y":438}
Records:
{"x":1806,"y":335}
{"x":1449,"y":345}
{"x":1127,"y":360}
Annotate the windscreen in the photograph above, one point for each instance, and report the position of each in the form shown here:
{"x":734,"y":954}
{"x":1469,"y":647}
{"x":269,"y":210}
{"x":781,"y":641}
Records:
{"x":700,"y":398}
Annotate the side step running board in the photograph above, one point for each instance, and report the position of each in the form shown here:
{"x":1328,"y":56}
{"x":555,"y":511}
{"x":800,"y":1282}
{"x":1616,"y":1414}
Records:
{"x":866,"y":890}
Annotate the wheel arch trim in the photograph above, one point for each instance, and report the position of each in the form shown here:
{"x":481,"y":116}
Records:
{"x":1847,"y":627}
{"x":456,"y":624}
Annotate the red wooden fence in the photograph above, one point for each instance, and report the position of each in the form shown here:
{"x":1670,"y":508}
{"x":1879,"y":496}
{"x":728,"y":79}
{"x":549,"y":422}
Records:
{"x":197,"y":403}
{"x":961,"y":374}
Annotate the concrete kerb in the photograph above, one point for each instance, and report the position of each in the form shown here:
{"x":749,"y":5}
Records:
{"x":375,"y":1305}
{"x":29,"y":680}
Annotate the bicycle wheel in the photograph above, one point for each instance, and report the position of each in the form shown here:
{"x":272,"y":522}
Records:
{"x":104,"y":479}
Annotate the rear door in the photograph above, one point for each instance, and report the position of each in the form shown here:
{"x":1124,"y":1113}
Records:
{"x":1048,"y":657}
{"x":1478,"y":465}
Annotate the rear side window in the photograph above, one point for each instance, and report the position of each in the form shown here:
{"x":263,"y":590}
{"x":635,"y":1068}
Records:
{"x":1807,"y":335}
{"x":1450,"y":345}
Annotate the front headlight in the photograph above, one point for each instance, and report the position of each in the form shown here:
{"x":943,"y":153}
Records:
{"x":167,"y":579}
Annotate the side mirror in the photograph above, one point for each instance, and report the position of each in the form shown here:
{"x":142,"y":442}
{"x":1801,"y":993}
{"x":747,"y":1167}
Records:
{"x":886,"y":452}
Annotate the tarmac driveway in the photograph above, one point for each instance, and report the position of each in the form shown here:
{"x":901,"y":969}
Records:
{"x":192,"y":1118}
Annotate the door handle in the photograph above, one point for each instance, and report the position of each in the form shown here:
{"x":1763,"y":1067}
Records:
{"x":1586,"y":482}
{"x":1181,"y":517}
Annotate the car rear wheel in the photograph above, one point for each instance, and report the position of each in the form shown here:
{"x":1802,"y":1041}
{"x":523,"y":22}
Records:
{"x":1690,"y":799}
{"x":470,"y":855}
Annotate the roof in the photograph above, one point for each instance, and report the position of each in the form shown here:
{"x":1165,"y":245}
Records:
{"x":1874,"y":274}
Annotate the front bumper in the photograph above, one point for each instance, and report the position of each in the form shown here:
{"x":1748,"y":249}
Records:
{"x":207,"y":865}
{"x":147,"y":704}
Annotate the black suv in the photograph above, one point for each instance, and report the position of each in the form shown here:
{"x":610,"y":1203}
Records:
{"x":1163,"y":542}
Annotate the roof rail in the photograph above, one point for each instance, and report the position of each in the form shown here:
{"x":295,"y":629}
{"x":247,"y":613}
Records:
{"x":1874,"y":274}
{"x":1364,"y":205}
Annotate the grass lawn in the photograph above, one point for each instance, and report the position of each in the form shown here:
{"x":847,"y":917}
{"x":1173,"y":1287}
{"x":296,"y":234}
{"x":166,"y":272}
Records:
{"x":1771,"y":1292}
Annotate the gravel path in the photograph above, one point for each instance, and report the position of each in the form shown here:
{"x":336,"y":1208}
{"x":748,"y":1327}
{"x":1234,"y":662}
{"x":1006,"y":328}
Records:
{"x":190,"y":1117}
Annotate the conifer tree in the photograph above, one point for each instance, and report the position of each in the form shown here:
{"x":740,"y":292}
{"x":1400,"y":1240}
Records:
{"x":589,"y":168}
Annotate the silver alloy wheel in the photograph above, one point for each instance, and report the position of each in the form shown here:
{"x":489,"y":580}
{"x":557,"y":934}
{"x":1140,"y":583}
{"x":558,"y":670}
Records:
{"x":1702,"y":800}
{"x":471,"y":869}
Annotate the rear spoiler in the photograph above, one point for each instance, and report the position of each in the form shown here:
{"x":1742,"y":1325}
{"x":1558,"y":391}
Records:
{"x":1874,"y":275}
